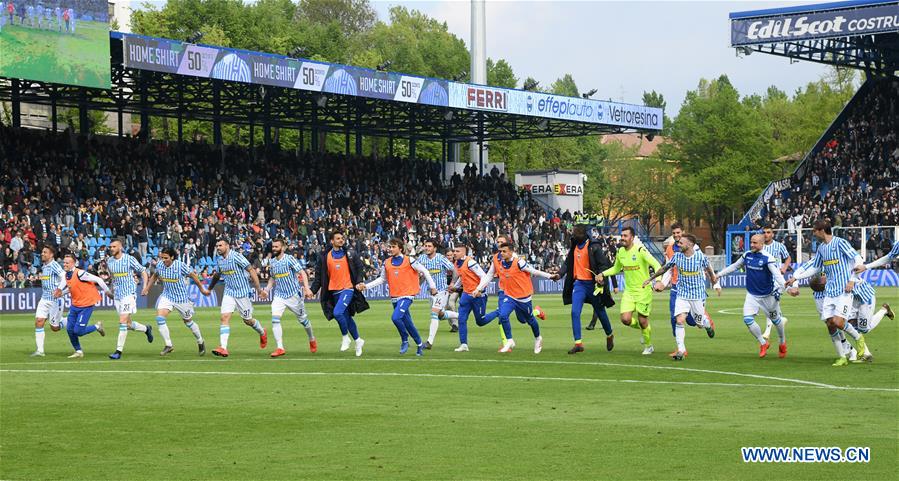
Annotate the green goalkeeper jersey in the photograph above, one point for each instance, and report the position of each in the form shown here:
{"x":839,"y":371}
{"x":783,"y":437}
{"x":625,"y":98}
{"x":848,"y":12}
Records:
{"x":635,"y":263}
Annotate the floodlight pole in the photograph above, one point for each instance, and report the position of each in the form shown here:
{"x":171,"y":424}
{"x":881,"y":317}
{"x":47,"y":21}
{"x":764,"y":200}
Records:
{"x":478,"y":67}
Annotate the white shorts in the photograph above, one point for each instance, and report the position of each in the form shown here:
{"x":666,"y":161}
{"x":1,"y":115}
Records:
{"x":296,"y":304}
{"x":50,"y":310}
{"x":126,"y":305}
{"x":452,"y":300}
{"x":439,"y":301}
{"x":819,"y":305}
{"x":696,"y":307}
{"x":836,"y":306}
{"x":768,"y":305}
{"x":862,"y":313}
{"x":186,"y":309}
{"x":243,"y":304}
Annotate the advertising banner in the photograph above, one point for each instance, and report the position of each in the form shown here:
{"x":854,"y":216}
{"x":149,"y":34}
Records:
{"x":808,"y":25}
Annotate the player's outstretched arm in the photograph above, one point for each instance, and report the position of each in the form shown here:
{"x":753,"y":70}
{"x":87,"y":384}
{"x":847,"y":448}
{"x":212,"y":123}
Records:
{"x":199,"y":282}
{"x":148,"y":284}
{"x":657,"y":274}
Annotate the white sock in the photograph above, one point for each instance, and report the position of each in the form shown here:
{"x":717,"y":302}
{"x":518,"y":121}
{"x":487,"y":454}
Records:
{"x":874,"y":321}
{"x":452,"y":315}
{"x":138,"y":326}
{"x":195,"y":329}
{"x":64,"y":323}
{"x":679,"y":335}
{"x":781,"y":331}
{"x":164,"y":330}
{"x":224,"y":332}
{"x":838,"y":344}
{"x":123,"y":334}
{"x":257,"y":326}
{"x":850,"y":329}
{"x":39,"y":335}
{"x":756,"y":331}
{"x":308,"y":327}
{"x":432,"y":330}
{"x":278,"y":332}
{"x":768,"y":325}
{"x":846,"y":346}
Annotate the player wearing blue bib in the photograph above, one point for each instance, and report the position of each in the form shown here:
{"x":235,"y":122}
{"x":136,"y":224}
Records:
{"x":837,"y":259}
{"x":284,"y":285}
{"x":439,"y":267}
{"x":48,"y":307}
{"x":172,"y":273}
{"x":122,"y":269}
{"x":692,"y":267}
{"x":764,"y":284}
{"x":237,"y":273}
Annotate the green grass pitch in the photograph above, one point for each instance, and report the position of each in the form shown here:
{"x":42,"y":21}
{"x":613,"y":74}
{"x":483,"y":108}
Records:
{"x":81,"y":58}
{"x":476,"y":415}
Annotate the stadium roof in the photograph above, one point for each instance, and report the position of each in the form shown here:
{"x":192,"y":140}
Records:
{"x":856,"y":33}
{"x":170,"y":78}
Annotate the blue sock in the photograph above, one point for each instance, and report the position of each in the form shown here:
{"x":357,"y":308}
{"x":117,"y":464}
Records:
{"x":160,"y":321}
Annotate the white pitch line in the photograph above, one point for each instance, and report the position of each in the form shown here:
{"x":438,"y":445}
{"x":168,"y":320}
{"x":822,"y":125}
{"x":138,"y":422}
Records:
{"x":497,"y":361}
{"x":430,"y":375}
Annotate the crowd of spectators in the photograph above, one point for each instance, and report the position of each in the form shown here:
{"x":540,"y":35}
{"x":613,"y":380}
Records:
{"x":75,"y":193}
{"x":853,"y":180}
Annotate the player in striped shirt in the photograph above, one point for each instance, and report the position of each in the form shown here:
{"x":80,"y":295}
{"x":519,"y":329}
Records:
{"x":237,"y":272}
{"x":122,"y":269}
{"x":401,"y":275}
{"x":846,"y":347}
{"x":784,"y":262}
{"x":692,"y":266}
{"x":286,"y":273}
{"x":764,"y":283}
{"x":516,"y":275}
{"x":862,"y":314}
{"x":172,"y":272}
{"x":438,"y":267}
{"x":48,"y":308}
{"x":837,"y":259}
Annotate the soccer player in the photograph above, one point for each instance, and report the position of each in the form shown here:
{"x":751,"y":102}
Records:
{"x":337,"y":273}
{"x":862,"y":314}
{"x":122,"y":268}
{"x":438,"y":267}
{"x":82,"y":288}
{"x":764,"y":284}
{"x":582,"y":268}
{"x":635,"y":261}
{"x":837,"y":259}
{"x":48,"y":307}
{"x":467,"y":276}
{"x":401,"y":275}
{"x":286,"y":273}
{"x":58,"y":12}
{"x":885,"y":260}
{"x":818,"y":296}
{"x":515,"y":274}
{"x":784,"y":260}
{"x":691,"y":265}
{"x":72,"y":19}
{"x":29,"y":13}
{"x":237,"y":273}
{"x":452,"y":301}
{"x":172,"y":272}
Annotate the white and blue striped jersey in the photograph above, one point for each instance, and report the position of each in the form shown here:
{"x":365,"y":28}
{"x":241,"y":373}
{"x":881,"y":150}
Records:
{"x":438,"y":267}
{"x":51,"y":275}
{"x":836,"y":259}
{"x":894,"y":253}
{"x":285,"y":271}
{"x":777,"y":250}
{"x":690,"y":275}
{"x":234,"y":272}
{"x":172,"y":277}
{"x":122,"y":271}
{"x":863,"y":291}
{"x":808,"y":265}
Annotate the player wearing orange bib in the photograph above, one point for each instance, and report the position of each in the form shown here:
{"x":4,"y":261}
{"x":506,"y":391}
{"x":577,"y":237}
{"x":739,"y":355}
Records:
{"x":401,"y":275}
{"x":82,"y":288}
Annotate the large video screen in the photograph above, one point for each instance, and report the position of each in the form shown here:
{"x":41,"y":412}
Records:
{"x":59,"y":41}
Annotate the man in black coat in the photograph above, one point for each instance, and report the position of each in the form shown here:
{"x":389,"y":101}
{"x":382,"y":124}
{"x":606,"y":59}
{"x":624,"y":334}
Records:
{"x":585,"y":260}
{"x":336,"y":274}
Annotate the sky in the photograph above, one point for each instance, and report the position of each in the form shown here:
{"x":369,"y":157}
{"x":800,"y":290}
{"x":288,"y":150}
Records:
{"x":621,"y":48}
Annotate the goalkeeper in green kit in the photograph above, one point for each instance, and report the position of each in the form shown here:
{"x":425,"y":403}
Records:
{"x":634,"y":260}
